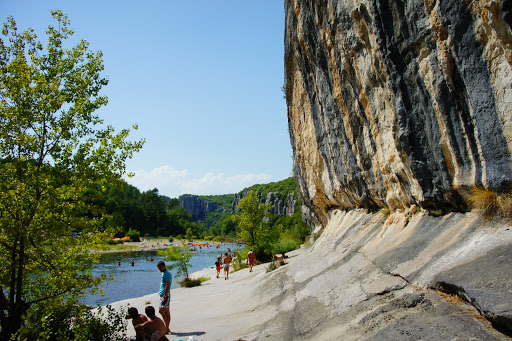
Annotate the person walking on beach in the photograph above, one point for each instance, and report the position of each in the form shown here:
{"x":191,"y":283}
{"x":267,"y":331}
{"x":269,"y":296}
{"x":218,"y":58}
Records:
{"x":154,"y":329}
{"x":137,"y":318}
{"x":165,"y":295}
{"x":218,"y":265}
{"x":251,"y":256}
{"x":227,"y":260}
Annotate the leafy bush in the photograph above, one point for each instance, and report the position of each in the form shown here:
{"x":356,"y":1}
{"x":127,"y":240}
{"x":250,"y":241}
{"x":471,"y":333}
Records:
{"x":101,"y":325}
{"x":171,"y":239}
{"x":238,"y":260}
{"x":134,"y":235}
{"x":286,"y":245}
{"x":61,"y":321}
{"x":113,"y":242}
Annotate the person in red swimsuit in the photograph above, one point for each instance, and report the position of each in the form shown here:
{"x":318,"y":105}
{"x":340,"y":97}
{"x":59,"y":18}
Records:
{"x":251,"y":256}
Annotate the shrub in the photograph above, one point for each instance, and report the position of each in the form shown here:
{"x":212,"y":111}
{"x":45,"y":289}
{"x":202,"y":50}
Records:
{"x":134,"y":235}
{"x":188,"y":283}
{"x":203,"y":279}
{"x":60,"y":320}
{"x":171,"y":239}
{"x":113,"y":242}
{"x":285,"y":245}
{"x":272,"y":266}
{"x":239,"y":260}
{"x":101,"y":326}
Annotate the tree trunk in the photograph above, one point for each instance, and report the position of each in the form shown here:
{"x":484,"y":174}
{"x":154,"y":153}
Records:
{"x":16,"y":307}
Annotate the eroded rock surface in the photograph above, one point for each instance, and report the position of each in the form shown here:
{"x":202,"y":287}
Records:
{"x":343,"y":287}
{"x":398,"y":103}
{"x":404,"y":106}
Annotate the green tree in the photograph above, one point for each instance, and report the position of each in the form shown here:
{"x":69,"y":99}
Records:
{"x":178,"y":218}
{"x":57,"y":156}
{"x":252,"y":228}
{"x":179,"y":257}
{"x":189,"y":235}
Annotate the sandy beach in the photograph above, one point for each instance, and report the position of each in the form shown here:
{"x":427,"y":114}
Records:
{"x":219,"y":309}
{"x":148,"y":245}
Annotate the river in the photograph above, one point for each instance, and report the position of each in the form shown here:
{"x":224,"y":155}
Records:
{"x":143,"y":278}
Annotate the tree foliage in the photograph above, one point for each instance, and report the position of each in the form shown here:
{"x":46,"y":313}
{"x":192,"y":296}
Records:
{"x":57,"y":156}
{"x":252,"y":228}
{"x":178,"y":257}
{"x":147,"y":212}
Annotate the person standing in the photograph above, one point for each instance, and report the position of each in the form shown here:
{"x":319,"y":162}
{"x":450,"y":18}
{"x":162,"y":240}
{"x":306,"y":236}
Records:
{"x":165,"y":294}
{"x":251,"y":256}
{"x":227,"y":260}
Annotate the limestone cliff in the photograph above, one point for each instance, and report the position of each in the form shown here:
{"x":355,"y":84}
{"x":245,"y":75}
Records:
{"x":398,"y":103}
{"x":406,"y":105}
{"x":287,"y":206}
{"x":196,"y":207}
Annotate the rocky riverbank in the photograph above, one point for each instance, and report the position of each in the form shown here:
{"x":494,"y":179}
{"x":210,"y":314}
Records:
{"x":406,"y":276}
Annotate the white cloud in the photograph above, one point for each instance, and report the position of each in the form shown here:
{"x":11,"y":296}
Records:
{"x":173,"y":183}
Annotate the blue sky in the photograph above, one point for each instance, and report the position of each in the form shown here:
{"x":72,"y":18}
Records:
{"x":202,"y":79}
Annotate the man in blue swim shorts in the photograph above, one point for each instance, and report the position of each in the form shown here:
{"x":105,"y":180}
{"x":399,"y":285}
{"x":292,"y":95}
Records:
{"x":165,"y":295}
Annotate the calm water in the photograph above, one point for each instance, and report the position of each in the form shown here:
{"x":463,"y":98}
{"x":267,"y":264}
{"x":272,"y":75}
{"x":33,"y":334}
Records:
{"x":143,"y":278}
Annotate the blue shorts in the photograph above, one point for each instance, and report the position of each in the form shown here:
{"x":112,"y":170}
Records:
{"x":165,"y":304}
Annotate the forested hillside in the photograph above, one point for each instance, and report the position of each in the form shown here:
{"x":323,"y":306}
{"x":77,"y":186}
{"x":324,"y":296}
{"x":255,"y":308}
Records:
{"x":149,"y":213}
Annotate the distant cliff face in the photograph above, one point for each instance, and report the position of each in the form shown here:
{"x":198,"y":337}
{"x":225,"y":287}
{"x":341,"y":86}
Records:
{"x":196,"y":207}
{"x":287,"y":206}
{"x":398,"y":103}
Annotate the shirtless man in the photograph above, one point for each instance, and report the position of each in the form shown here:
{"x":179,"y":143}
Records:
{"x":137,"y":318}
{"x":155,"y":327}
{"x":227,"y":260}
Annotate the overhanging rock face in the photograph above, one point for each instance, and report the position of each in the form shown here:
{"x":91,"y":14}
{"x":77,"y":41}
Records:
{"x":398,"y":103}
{"x":403,"y":105}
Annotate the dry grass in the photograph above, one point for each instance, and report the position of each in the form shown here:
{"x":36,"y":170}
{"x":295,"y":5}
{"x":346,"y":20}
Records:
{"x":385,"y":211}
{"x":462,"y":304}
{"x":491,"y":203}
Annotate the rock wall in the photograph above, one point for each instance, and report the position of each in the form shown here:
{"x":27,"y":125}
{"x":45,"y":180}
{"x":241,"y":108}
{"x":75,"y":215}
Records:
{"x":404,"y":105}
{"x":196,"y":207}
{"x":398,"y":103}
{"x":287,"y":206}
